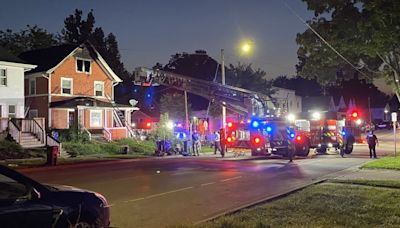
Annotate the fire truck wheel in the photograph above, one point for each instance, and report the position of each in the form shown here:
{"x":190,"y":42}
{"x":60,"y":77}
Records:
{"x":321,"y":150}
{"x":348,"y":149}
{"x":303,"y":150}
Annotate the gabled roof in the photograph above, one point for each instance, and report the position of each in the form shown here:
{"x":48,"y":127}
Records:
{"x":47,"y":58}
{"x":86,"y":101}
{"x":50,"y":58}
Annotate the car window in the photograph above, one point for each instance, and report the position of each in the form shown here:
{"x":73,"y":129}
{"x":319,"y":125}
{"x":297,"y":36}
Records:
{"x":11,"y":189}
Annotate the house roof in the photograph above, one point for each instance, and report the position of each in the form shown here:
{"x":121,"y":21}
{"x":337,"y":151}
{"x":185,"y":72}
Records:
{"x":47,"y":58}
{"x":6,"y":56}
{"x":85,"y":101}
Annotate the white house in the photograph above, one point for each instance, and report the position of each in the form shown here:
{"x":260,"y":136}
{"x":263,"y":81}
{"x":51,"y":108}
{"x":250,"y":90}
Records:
{"x":287,"y":100}
{"x":12,"y":98}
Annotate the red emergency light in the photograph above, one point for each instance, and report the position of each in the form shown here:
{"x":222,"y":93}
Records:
{"x":230,"y":125}
{"x":354,"y":114}
{"x":148,"y":124}
{"x":299,"y":138}
{"x":257,"y":140}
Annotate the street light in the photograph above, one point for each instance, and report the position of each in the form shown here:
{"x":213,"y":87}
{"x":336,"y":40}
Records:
{"x":246,"y":47}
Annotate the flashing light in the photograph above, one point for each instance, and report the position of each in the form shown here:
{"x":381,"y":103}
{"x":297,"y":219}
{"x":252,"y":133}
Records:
{"x":299,"y":138}
{"x":292,"y":135}
{"x":148,"y":124}
{"x":170,"y":125}
{"x":255,"y":124}
{"x":229,"y":139}
{"x":358,"y":121}
{"x":291,"y":117}
{"x":230,"y":124}
{"x":344,"y":133}
{"x":148,"y":95}
{"x":354,"y":114}
{"x":179,"y":125}
{"x":256,"y":140}
{"x":316,"y":116}
{"x":181,"y":135}
{"x":269,"y":128}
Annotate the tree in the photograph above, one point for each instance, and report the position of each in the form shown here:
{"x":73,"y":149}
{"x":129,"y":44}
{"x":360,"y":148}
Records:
{"x":77,"y":30}
{"x":244,"y":76}
{"x":303,"y":87}
{"x":27,"y":39}
{"x":174,"y":105}
{"x":365,"y":32}
{"x":162,"y":131}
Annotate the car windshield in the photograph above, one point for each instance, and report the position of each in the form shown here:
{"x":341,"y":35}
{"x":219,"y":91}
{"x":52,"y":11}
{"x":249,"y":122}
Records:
{"x":11,"y":189}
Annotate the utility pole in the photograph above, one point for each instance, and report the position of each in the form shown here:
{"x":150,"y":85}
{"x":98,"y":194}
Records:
{"x":186,"y":111}
{"x":223,"y":83}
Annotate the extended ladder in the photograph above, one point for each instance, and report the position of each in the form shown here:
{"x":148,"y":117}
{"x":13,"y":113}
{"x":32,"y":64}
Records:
{"x":241,"y":101}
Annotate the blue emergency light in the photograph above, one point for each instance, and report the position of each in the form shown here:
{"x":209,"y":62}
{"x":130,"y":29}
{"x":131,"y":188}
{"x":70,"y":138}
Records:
{"x":255,"y":124}
{"x":269,"y":128}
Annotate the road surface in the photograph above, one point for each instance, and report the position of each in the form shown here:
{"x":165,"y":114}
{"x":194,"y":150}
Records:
{"x":168,"y":191}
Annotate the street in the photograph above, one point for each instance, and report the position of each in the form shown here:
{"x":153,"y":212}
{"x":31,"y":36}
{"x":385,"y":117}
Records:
{"x":167,"y":191}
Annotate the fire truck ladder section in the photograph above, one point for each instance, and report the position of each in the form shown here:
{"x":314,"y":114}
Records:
{"x":241,"y":101}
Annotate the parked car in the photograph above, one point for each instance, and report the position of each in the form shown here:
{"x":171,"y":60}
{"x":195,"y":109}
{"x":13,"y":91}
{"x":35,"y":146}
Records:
{"x":27,"y":203}
{"x":383,"y":125}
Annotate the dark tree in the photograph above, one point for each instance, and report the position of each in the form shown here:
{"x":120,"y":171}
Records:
{"x":76,"y":29}
{"x":303,"y":87}
{"x":365,"y":32}
{"x":28,"y":39}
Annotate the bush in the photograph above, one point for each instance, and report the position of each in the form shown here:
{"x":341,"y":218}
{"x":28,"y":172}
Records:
{"x":136,"y":146}
{"x":11,"y":150}
{"x":75,"y":149}
{"x":110,"y":148}
{"x":73,"y":134}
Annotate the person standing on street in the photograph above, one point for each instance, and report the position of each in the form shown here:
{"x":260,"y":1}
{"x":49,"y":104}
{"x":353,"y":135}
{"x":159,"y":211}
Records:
{"x":222,"y":141}
{"x":195,"y":143}
{"x":372,"y":141}
{"x":217,"y":140}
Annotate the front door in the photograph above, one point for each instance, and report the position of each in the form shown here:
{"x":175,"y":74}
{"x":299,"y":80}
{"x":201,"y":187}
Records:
{"x":71,"y":118}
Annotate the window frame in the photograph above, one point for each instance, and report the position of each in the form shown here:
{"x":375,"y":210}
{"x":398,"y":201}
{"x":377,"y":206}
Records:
{"x":15,"y":111}
{"x":83,"y":65}
{"x":30,"y":88}
{"x":103,"y":90}
{"x":5,"y":76}
{"x":72,"y":86}
{"x":91,"y":124}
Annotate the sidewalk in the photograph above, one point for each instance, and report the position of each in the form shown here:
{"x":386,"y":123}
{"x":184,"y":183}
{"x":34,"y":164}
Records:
{"x":371,"y":174}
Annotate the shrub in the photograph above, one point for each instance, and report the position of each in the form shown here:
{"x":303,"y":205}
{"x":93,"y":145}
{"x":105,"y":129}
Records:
{"x":73,"y":134}
{"x":11,"y":150}
{"x":110,"y":148}
{"x":75,"y":149}
{"x":136,"y":146}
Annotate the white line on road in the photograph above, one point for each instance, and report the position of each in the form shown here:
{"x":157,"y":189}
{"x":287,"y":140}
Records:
{"x":208,"y":183}
{"x":229,"y":179}
{"x":156,"y":195}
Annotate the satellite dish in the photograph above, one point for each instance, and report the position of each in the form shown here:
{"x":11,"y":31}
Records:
{"x":133,"y":102}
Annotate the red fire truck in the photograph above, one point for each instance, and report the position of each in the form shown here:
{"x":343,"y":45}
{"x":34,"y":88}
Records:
{"x":267,"y":136}
{"x":337,"y":130}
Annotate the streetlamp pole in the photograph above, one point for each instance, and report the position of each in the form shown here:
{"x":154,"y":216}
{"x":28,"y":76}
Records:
{"x":223,"y":83}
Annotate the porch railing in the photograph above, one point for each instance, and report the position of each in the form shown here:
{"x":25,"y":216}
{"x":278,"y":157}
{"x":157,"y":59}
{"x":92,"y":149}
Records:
{"x":31,"y":126}
{"x":107,"y":134}
{"x":14,"y":131}
{"x":87,"y":132}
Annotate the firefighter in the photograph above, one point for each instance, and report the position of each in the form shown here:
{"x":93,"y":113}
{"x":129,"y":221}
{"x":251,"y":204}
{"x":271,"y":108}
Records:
{"x":372,"y":141}
{"x":222,"y":141}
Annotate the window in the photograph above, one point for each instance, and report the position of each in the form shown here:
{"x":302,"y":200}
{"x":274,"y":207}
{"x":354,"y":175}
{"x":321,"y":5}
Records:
{"x":83,"y":65}
{"x":11,"y":111}
{"x":11,"y":189}
{"x":66,"y":86}
{"x":3,"y":77}
{"x":33,"y":113}
{"x":32,"y":86}
{"x":95,"y":118}
{"x":99,"y":89}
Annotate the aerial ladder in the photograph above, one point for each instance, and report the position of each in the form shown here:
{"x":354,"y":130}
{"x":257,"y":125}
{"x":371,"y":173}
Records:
{"x":242,"y":101}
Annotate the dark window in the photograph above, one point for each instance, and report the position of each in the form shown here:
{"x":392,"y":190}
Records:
{"x":79,"y":65}
{"x":83,"y":65}
{"x":11,"y":111}
{"x":3,"y":77}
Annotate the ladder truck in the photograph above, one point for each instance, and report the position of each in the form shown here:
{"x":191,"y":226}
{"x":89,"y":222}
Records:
{"x":252,"y":106}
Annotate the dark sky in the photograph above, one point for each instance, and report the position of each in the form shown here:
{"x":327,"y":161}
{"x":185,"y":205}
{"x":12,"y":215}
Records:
{"x":152,"y":30}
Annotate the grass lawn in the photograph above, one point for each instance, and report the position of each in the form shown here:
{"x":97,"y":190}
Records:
{"x":384,"y":163}
{"x":322,"y":205}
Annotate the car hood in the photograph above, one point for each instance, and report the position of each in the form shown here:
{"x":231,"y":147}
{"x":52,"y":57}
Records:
{"x":65,"y":188}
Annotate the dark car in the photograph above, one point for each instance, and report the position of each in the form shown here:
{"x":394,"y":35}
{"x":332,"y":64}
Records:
{"x":27,"y":203}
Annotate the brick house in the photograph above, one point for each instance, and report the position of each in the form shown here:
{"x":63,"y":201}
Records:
{"x":74,"y":86}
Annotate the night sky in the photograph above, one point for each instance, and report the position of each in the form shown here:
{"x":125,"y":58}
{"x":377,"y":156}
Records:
{"x":150,"y":31}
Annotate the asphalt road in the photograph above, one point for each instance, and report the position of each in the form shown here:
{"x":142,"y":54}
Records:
{"x":168,"y":191}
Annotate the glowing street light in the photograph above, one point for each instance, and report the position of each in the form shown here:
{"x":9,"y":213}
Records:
{"x":316,"y":116}
{"x":246,"y":47}
{"x":291,"y":117}
{"x":170,"y":125}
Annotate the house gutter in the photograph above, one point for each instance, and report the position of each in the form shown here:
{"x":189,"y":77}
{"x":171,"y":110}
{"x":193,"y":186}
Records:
{"x":49,"y":98}
{"x":113,"y":85}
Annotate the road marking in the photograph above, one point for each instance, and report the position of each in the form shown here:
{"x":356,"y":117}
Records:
{"x":209,"y":183}
{"x":127,"y":201}
{"x":156,"y":195}
{"x":165,"y":193}
{"x":229,"y":179}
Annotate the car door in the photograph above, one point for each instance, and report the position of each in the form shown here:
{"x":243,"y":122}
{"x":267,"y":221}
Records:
{"x":21,"y":206}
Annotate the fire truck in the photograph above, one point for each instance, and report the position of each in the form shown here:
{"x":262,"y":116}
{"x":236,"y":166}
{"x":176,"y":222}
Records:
{"x":330,"y":130}
{"x":258,"y":129}
{"x":267,"y":136}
